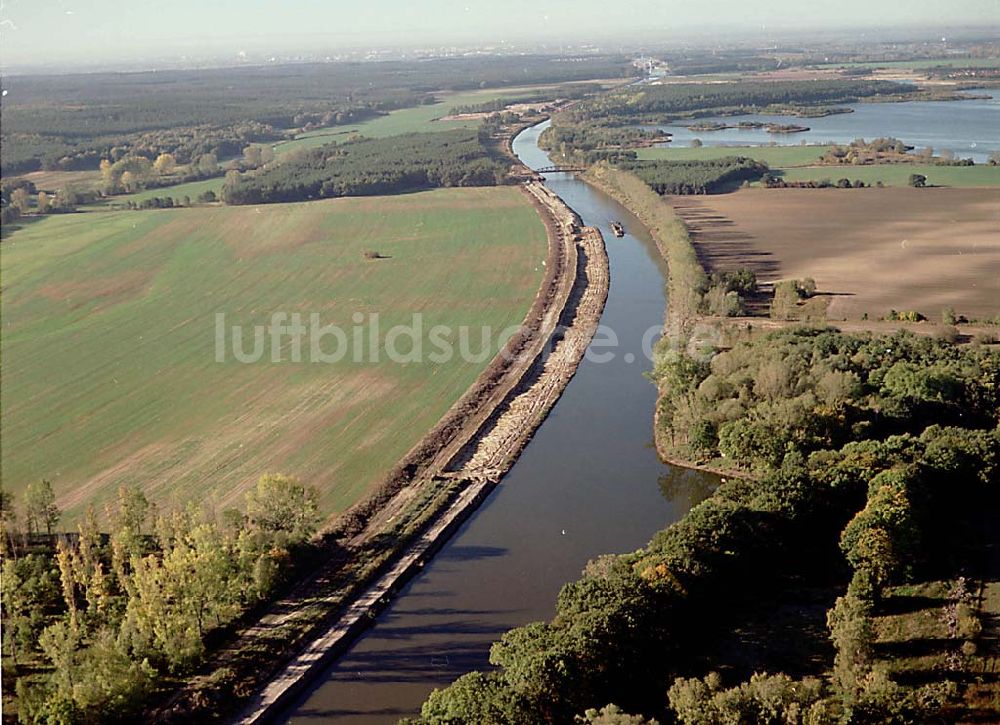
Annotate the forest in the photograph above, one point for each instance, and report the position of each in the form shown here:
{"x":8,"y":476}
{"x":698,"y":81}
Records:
{"x":902,"y":501}
{"x":696,"y":177}
{"x":71,"y":121}
{"x":592,"y":142}
{"x":94,"y":621}
{"x":367,"y":167}
{"x":671,"y":101}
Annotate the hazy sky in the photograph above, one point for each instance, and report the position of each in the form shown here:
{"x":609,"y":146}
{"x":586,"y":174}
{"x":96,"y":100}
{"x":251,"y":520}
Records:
{"x":45,"y":31}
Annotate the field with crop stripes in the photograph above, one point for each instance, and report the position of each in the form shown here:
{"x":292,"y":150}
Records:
{"x":109,"y":339}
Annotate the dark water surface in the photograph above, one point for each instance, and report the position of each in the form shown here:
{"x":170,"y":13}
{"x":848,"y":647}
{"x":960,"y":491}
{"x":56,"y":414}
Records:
{"x":588,"y":483}
{"x":967,"y":128}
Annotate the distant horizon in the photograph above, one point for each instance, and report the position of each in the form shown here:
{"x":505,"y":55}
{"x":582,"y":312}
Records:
{"x":245,"y":55}
{"x":65,"y":34}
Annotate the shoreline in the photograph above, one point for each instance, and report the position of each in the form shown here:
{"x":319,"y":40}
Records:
{"x":677,"y":324}
{"x":463,"y":463}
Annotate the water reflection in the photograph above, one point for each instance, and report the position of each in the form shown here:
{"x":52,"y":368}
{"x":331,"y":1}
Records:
{"x":684,"y":487}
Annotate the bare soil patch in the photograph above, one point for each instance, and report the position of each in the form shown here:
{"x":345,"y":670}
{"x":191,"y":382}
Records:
{"x":870,"y":250}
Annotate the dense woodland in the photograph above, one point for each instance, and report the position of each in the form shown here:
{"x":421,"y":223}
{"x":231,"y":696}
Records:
{"x":72,"y":121}
{"x":366,"y":167}
{"x":592,"y":142}
{"x":671,"y":101}
{"x":805,"y":391}
{"x":632,"y":629}
{"x":696,"y":177}
{"x":94,"y":620}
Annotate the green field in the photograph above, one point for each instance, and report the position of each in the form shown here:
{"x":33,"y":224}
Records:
{"x":899,"y":174}
{"x":178,"y":191}
{"x":406,"y":120}
{"x":773,"y":156}
{"x":109,"y":339}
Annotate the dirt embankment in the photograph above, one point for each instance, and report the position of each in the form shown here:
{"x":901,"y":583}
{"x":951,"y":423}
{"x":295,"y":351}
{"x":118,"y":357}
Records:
{"x":434,"y":487}
{"x":481,"y":439}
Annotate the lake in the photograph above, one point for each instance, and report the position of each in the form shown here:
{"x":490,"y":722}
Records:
{"x":969,"y":129}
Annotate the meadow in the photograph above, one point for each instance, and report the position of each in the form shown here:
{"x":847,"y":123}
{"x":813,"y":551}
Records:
{"x":773,"y":156}
{"x":898,"y":174}
{"x":109,"y":355}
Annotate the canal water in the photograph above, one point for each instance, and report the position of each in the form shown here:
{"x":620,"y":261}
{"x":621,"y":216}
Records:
{"x":966,"y":128}
{"x":588,"y":483}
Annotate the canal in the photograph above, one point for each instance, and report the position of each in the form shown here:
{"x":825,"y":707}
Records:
{"x":589,"y":483}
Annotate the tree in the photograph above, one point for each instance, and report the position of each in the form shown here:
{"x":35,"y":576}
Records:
{"x":252,"y":155}
{"x":66,"y":199}
{"x":198,"y":582}
{"x":475,"y":698}
{"x":611,"y":715}
{"x":40,"y":507}
{"x":696,"y":143}
{"x":8,"y":525}
{"x":165,"y":164}
{"x":7,"y":512}
{"x":208,"y":163}
{"x":132,"y":510}
{"x":128,"y":182}
{"x":42,"y":203}
{"x":128,"y":172}
{"x":853,"y":634}
{"x":20,"y":200}
{"x":281,"y":505}
{"x":16,"y":607}
{"x":764,"y":699}
{"x":232,"y":178}
{"x":786,"y":299}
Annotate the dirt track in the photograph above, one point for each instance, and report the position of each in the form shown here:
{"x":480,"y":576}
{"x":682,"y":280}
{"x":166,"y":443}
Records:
{"x":457,"y":463}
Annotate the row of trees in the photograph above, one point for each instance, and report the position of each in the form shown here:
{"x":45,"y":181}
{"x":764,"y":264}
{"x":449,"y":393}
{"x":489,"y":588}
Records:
{"x":776,"y":182}
{"x":133,"y":172}
{"x":20,"y":197}
{"x":105,"y":615}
